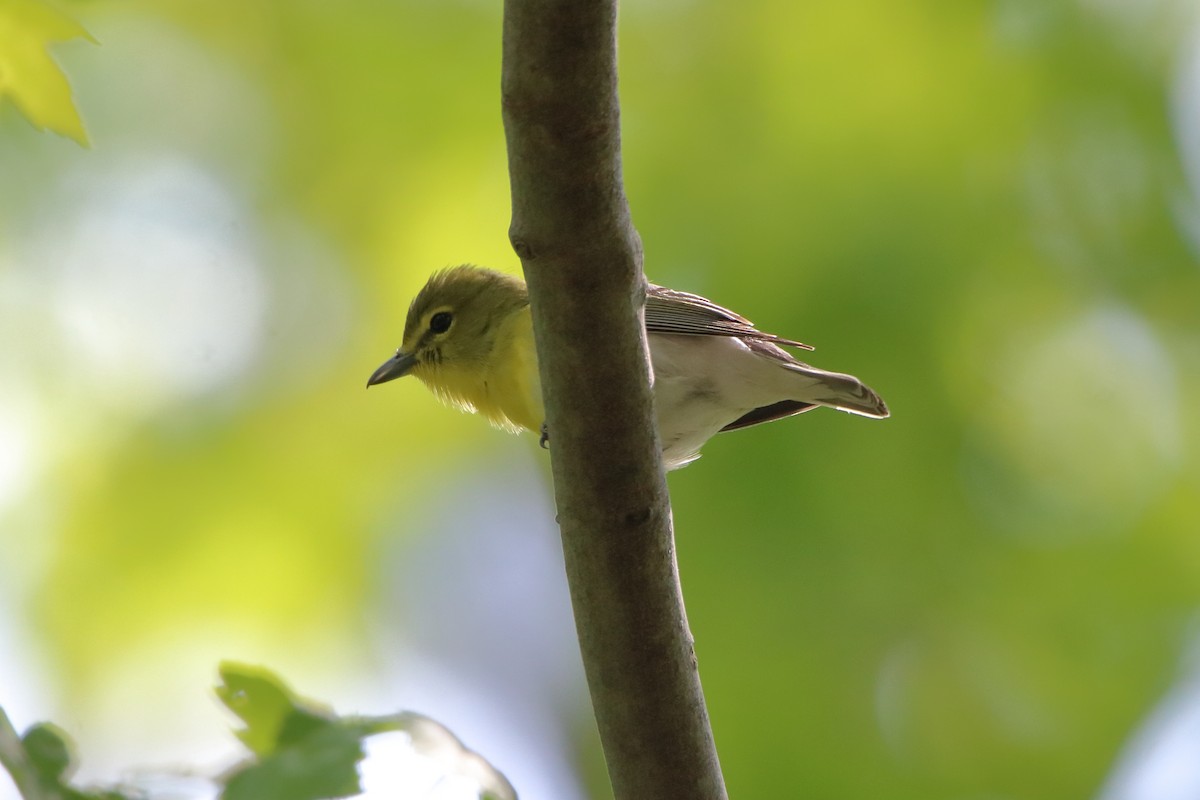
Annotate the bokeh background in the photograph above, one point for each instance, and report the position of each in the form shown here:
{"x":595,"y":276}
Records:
{"x":987,"y":209}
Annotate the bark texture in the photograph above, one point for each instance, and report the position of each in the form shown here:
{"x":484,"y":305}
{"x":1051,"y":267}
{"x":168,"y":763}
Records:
{"x":571,"y":228}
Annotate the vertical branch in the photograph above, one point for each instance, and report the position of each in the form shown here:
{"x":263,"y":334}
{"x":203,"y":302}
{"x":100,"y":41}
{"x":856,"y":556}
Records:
{"x":582,"y":261}
{"x":15,"y":760}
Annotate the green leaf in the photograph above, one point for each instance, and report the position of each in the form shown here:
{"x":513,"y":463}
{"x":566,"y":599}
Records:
{"x":323,"y":763}
{"x":40,"y":761}
{"x":305,"y":752}
{"x":29,"y":75}
{"x":48,"y":750}
{"x":274,"y":714}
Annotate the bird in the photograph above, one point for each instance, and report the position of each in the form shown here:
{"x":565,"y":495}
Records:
{"x":468,"y":337}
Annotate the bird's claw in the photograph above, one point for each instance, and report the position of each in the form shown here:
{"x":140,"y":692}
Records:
{"x":544,"y":441}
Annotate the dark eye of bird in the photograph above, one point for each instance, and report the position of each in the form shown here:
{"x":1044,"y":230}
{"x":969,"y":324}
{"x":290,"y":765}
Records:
{"x":440,"y":322}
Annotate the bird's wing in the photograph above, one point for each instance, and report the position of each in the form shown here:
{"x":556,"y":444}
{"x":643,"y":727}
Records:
{"x":784,"y":408}
{"x":669,"y":311}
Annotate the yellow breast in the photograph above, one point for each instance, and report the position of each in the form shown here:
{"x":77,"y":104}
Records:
{"x":503,"y":386}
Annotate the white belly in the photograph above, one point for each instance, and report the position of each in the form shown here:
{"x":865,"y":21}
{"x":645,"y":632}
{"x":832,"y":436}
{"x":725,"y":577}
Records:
{"x":703,"y":383}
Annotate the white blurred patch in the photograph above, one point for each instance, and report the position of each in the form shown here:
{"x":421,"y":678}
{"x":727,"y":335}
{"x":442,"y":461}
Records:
{"x":153,"y":280}
{"x":427,"y":760}
{"x":1162,"y":760}
{"x":24,"y":538}
{"x":394,"y":769}
{"x":1185,"y":117}
{"x":19,"y":458}
{"x":130,"y":274}
{"x":1083,"y":431}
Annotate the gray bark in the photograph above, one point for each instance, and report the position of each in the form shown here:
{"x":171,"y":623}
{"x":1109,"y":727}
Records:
{"x":582,"y":260}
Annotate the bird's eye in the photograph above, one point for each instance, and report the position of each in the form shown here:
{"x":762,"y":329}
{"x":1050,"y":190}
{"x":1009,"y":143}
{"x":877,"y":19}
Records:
{"x":440,"y":322}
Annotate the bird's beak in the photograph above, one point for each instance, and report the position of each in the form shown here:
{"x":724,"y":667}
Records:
{"x":395,"y":367}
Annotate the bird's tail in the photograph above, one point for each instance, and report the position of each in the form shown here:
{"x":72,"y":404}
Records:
{"x":843,"y":392}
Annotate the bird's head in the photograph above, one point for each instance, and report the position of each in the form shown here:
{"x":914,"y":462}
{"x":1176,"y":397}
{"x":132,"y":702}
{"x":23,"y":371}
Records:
{"x":453,"y":323}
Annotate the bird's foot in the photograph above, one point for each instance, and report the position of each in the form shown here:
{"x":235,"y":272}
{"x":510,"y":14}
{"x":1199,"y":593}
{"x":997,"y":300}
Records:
{"x":544,"y":441}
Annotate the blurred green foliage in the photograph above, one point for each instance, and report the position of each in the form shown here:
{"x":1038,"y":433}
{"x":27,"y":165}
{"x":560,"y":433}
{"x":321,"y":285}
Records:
{"x":306,"y":752}
{"x":40,"y":763}
{"x":983,"y":209}
{"x":28,"y":73}
{"x":300,"y":750}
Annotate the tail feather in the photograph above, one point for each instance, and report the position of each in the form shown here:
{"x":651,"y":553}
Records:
{"x":845,"y":393}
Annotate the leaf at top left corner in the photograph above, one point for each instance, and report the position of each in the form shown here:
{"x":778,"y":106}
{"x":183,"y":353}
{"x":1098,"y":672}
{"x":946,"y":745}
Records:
{"x":29,"y":74}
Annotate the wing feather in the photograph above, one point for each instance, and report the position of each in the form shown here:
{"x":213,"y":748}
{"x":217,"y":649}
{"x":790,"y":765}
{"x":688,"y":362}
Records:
{"x":670,"y":311}
{"x":784,"y":408}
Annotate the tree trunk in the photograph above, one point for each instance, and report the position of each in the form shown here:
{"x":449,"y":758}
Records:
{"x":582,"y":260}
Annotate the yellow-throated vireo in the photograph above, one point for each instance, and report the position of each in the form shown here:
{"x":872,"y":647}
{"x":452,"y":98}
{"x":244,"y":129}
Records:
{"x":469,"y":338}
